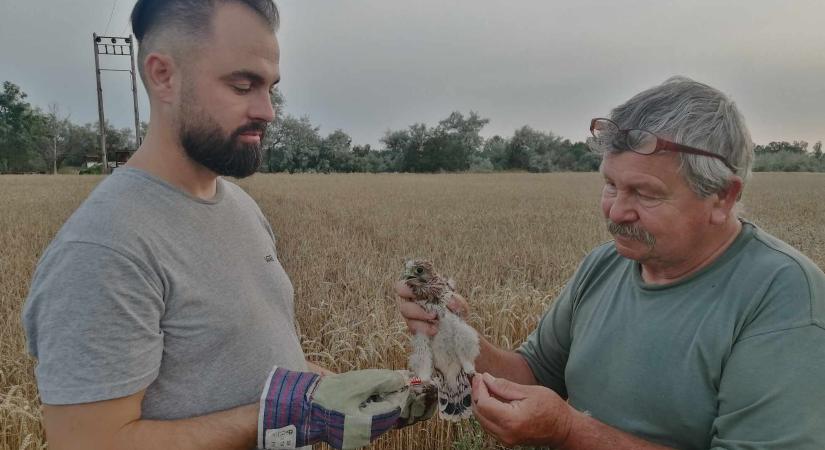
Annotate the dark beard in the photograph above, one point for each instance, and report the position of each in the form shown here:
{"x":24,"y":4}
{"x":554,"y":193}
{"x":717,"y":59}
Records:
{"x":205,"y":144}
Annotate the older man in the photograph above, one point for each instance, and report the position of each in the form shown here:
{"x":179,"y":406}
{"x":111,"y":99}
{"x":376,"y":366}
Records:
{"x":693,"y":329}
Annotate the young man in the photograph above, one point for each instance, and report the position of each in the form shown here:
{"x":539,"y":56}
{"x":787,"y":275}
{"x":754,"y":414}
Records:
{"x":160,"y":307}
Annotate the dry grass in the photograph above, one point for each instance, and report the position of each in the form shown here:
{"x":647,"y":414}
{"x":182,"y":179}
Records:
{"x":511,"y":240}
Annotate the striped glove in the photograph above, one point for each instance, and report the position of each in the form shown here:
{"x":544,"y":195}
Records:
{"x":345,"y":410}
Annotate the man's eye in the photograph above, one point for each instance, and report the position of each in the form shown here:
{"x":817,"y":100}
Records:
{"x":241,"y":89}
{"x":644,"y":196}
{"x":647,"y":200}
{"x":610,"y":188}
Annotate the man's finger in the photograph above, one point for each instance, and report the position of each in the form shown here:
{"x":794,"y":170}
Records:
{"x":418,"y":326}
{"x":487,"y":403}
{"x":476,"y":388}
{"x":458,"y":305}
{"x":489,"y":425}
{"x":403,"y":290}
{"x":504,"y":389}
{"x":411,"y":311}
{"x":485,"y":408}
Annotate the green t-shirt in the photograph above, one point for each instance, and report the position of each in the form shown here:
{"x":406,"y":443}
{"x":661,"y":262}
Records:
{"x":732,"y":357}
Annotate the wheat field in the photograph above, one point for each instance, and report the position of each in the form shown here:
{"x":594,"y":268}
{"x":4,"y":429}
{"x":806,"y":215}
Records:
{"x":510,"y":240}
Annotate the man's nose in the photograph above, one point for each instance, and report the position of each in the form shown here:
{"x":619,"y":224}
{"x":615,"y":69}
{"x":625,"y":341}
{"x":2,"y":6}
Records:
{"x":623,"y":209}
{"x":261,"y":108}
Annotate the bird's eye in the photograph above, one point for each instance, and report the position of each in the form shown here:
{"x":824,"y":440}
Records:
{"x":419,"y":270}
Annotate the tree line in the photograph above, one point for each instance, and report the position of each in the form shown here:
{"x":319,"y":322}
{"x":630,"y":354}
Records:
{"x":34,"y":140}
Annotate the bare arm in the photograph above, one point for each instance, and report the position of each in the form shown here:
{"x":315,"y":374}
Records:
{"x":497,"y":361}
{"x":588,"y":433}
{"x":503,"y":363}
{"x":116,"y":424}
{"x":318,"y":369}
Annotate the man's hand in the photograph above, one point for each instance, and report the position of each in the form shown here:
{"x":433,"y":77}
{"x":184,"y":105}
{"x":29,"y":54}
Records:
{"x":346,"y":410}
{"x":420,"y":321}
{"x":516,"y":414}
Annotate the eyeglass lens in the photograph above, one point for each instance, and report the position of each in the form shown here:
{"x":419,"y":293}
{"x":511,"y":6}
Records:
{"x":608,"y":134}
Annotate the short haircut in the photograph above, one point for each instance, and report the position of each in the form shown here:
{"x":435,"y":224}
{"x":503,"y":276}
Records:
{"x":694,"y":114}
{"x":183,"y":22}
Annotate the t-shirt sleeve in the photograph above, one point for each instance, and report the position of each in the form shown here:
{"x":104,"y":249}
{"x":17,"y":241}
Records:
{"x":771,"y":394}
{"x":548,"y":346}
{"x":92,"y":319}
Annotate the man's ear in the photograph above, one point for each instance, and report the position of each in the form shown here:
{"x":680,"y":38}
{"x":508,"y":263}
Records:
{"x":725,"y":201}
{"x":161,"y":75}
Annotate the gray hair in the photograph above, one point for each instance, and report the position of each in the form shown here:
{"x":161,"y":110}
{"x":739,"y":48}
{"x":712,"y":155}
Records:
{"x":694,"y":114}
{"x":176,"y":25}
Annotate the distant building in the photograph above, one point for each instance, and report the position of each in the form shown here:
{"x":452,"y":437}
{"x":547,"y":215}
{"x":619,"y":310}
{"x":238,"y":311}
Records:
{"x":93,"y":160}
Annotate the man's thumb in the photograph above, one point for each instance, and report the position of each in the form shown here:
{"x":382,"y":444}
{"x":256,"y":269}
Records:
{"x":504,"y":389}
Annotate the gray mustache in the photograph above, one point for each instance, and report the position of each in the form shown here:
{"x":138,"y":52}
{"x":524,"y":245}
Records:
{"x":632,"y":232}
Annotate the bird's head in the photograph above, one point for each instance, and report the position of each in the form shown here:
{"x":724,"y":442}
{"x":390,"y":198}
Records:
{"x":418,"y":271}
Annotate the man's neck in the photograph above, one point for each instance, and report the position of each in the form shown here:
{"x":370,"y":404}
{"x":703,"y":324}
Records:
{"x":654,"y":272}
{"x":161,"y":155}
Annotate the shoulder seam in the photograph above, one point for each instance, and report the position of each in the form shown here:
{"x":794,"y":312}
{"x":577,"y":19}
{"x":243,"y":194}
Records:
{"x":779,"y":330}
{"x":801,"y":269}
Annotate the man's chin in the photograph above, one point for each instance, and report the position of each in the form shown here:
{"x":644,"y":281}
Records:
{"x":251,"y":160}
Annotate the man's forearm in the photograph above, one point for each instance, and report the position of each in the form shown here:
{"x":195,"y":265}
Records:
{"x":226,"y":430}
{"x":587,"y":433}
{"x":312,"y":367}
{"x":503,"y":363}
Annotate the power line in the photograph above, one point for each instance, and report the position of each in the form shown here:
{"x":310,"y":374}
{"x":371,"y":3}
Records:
{"x":125,"y":26}
{"x":114,"y":5}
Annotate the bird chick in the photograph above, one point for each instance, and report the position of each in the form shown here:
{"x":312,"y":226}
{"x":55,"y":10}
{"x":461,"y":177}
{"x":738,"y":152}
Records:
{"x":448,"y":357}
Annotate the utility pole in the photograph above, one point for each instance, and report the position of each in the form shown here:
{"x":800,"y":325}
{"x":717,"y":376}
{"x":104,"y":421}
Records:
{"x":54,"y":154}
{"x":104,"y":168}
{"x":118,"y":46}
{"x":134,"y":92}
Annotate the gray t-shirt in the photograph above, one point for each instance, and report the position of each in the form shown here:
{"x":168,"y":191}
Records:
{"x":731,"y":357}
{"x":146,"y":286}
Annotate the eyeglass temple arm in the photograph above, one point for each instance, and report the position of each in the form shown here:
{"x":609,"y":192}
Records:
{"x":662,"y":144}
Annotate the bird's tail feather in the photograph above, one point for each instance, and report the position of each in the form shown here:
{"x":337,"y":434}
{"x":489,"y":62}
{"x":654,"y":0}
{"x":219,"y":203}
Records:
{"x":454,"y":400}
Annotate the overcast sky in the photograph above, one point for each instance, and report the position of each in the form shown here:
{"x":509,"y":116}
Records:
{"x":367,"y":66}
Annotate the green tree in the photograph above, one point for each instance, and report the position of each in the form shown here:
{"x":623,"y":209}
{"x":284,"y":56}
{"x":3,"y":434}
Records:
{"x":782,"y":146}
{"x":495,"y":151}
{"x":452,"y":145}
{"x":534,"y":150}
{"x":335,"y":154}
{"x":455,"y":141}
{"x":406,"y":148}
{"x":577,"y":157}
{"x":54,"y":133}
{"x":82,"y":140}
{"x":18,"y":123}
{"x":274,"y":132}
{"x":295,"y":145}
